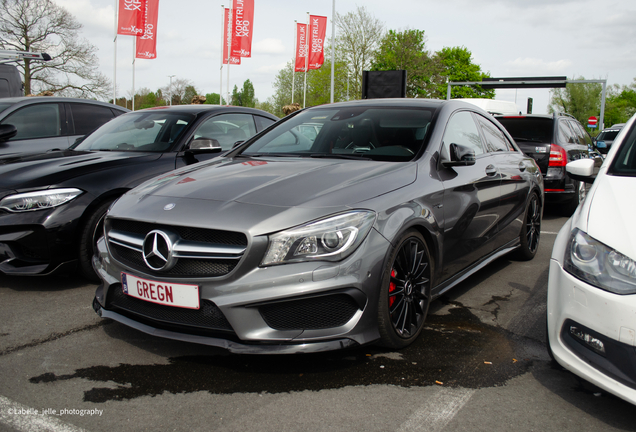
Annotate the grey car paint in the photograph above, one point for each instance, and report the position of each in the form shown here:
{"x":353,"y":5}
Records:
{"x":468,"y":216}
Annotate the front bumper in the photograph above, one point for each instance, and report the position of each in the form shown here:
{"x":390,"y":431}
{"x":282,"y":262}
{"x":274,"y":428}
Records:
{"x":261,"y":306}
{"x":607,"y":317}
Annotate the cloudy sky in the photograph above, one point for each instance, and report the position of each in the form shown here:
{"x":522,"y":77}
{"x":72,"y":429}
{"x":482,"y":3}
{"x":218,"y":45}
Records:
{"x":508,"y":38}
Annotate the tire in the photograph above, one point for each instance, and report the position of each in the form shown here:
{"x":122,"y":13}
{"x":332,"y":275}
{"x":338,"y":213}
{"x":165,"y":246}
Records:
{"x":405,"y":293}
{"x":579,"y":196}
{"x":531,"y":230}
{"x":90,"y":232}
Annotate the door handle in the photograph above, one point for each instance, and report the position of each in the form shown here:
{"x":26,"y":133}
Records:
{"x":491,"y":170}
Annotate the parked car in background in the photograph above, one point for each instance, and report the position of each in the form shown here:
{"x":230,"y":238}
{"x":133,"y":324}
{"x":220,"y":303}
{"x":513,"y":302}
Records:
{"x":52,"y":204}
{"x":592,"y":281}
{"x":605,"y":139}
{"x":553,"y":141}
{"x":42,"y":123}
{"x":295,"y":244}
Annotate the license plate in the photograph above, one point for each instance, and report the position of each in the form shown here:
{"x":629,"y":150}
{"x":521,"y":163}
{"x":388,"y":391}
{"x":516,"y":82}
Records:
{"x":165,"y":293}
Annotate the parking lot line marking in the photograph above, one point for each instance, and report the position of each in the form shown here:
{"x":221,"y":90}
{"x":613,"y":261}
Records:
{"x":24,"y":418}
{"x":438,"y":411}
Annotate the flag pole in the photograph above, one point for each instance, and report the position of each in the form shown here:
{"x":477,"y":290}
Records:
{"x":294,"y":57}
{"x":222,"y":42}
{"x":333,"y":45}
{"x":306,"y":60}
{"x":133,"y":65}
{"x":229,"y":51}
{"x":115,"y":58}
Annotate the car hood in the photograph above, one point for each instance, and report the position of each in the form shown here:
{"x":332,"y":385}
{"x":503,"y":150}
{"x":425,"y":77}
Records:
{"x":609,"y":213}
{"x":29,"y":170}
{"x":284,"y":182}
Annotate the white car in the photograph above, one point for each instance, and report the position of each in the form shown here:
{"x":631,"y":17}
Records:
{"x":591,"y":307}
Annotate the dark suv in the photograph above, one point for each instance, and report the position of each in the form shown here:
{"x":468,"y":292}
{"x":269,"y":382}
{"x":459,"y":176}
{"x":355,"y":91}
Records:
{"x":605,"y":139}
{"x":553,"y":141}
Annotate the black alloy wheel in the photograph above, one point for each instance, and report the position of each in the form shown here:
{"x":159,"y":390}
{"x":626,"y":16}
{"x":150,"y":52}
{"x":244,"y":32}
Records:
{"x":531,"y":230}
{"x":406,"y":292}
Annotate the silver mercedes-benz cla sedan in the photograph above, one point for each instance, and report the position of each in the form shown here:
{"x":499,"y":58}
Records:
{"x":296,"y":242}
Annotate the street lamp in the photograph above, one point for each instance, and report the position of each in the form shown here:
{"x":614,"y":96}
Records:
{"x":170,"y":88}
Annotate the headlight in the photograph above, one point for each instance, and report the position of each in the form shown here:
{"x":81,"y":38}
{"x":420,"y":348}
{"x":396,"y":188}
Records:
{"x":599,"y":265}
{"x":330,"y":239}
{"x":38,"y":200}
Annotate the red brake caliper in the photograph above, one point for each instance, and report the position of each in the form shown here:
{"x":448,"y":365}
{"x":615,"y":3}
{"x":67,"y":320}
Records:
{"x":392,"y":288}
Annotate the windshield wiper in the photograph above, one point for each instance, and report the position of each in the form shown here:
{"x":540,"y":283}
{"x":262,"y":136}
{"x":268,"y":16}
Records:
{"x":338,"y":156}
{"x":256,"y":155}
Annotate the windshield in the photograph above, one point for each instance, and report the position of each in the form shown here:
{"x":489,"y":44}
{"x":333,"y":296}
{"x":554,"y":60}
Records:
{"x":609,"y":135}
{"x":388,"y":134}
{"x":146,"y":131}
{"x":624,"y":163}
{"x":536,"y":129}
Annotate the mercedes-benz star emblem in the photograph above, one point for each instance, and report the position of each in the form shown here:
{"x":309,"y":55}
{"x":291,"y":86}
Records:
{"x":169,"y":206}
{"x":157,"y":250}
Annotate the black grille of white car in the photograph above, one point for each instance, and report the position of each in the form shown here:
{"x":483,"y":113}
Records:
{"x":198,"y":252}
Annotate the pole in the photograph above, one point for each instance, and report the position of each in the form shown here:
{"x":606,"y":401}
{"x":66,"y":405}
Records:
{"x":333,"y":50}
{"x":115,"y":58}
{"x":170,"y":88}
{"x":221,"y":68}
{"x":294,"y":59}
{"x":307,"y":37}
{"x":229,"y":52}
{"x":134,"y":52}
{"x":601,"y":121}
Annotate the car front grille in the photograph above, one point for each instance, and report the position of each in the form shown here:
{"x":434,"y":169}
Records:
{"x":208,"y":316}
{"x":203,"y":252}
{"x":313,"y":313}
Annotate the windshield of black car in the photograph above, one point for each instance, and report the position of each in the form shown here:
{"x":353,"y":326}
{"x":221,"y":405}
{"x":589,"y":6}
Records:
{"x":624,"y":163}
{"x":387,"y":134}
{"x":146,"y":131}
{"x":536,"y":129}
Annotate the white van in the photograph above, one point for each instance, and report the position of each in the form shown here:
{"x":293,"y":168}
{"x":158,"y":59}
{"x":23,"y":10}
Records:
{"x":494,"y":106}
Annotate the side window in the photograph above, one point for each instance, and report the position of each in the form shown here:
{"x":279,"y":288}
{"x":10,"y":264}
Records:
{"x":461,"y":129}
{"x":36,"y":121}
{"x":87,"y":118}
{"x":495,"y":139}
{"x":227,"y":129}
{"x":262,"y":122}
{"x":583,"y":136}
{"x":565,"y":133}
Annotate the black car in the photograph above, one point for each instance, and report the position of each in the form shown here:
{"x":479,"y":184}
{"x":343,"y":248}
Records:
{"x":41,"y":123}
{"x":605,"y":139}
{"x":297,"y":242}
{"x":553,"y":141}
{"x":52,"y":204}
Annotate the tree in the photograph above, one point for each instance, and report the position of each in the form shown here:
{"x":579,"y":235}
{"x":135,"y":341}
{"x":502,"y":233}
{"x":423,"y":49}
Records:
{"x":456,"y":64}
{"x":212,"y":98}
{"x":43,"y":26}
{"x":406,"y":50}
{"x":189,"y":93}
{"x":359,"y":34}
{"x":620,"y":103}
{"x":581,"y":100}
{"x":177,"y":90}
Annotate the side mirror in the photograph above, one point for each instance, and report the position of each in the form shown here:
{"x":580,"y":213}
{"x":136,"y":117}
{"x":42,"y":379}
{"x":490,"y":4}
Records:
{"x":204,"y":145}
{"x":584,"y":170}
{"x":236,"y":144}
{"x":7,"y":131}
{"x":460,"y":155}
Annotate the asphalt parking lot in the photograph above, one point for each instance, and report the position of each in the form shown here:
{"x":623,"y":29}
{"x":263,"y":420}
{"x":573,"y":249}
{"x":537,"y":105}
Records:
{"x":480,"y":364}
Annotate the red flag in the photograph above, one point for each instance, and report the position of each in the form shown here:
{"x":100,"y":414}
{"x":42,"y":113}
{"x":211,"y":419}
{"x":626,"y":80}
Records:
{"x":243,"y":24}
{"x":301,"y":48}
{"x":226,"y":21}
{"x":147,"y":43}
{"x":318,"y":26}
{"x":131,"y":17}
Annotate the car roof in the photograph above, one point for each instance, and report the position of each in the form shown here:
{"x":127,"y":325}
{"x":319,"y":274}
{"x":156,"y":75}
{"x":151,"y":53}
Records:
{"x":391,"y":102}
{"x":199,"y":108}
{"x":28,"y":100}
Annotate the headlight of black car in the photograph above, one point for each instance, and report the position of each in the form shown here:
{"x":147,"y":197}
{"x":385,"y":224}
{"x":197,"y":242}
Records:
{"x":39,"y":200}
{"x":330,"y":239}
{"x":599,"y":265}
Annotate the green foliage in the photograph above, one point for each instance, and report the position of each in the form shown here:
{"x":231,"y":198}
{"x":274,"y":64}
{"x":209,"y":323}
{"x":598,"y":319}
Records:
{"x":212,"y":98}
{"x":579,"y":100}
{"x":244,"y":97}
{"x":406,"y":50}
{"x":456,"y":64}
{"x":620,"y":103}
{"x":189,"y":93}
